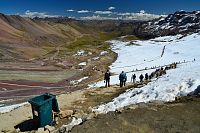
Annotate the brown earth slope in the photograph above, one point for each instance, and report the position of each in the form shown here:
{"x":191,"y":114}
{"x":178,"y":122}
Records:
{"x":23,"y":38}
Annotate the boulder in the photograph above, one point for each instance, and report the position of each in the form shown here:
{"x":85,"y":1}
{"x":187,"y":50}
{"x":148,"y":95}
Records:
{"x":66,"y":114}
{"x":119,"y":110}
{"x":91,"y":116}
{"x":49,"y":128}
{"x":41,"y":130}
{"x":79,"y":114}
{"x":132,"y":107}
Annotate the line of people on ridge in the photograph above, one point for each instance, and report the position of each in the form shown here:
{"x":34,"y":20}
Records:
{"x":146,"y":77}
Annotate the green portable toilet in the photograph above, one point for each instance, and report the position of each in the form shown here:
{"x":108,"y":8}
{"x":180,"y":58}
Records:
{"x":42,"y":107}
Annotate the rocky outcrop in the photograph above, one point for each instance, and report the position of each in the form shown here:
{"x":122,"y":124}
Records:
{"x":181,"y":22}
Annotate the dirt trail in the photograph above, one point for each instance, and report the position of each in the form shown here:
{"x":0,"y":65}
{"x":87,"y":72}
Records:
{"x":11,"y":119}
{"x":57,"y":49}
{"x":81,"y":99}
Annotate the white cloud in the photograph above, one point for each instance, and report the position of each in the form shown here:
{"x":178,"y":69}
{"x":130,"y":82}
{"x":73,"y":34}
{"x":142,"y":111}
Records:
{"x":98,"y":17}
{"x":141,"y":15}
{"x":83,"y":11}
{"x":70,"y":10}
{"x":103,"y":12}
{"x":30,"y":14}
{"x":142,"y":11}
{"x":124,"y":14}
{"x":111,"y":8}
{"x":72,"y":17}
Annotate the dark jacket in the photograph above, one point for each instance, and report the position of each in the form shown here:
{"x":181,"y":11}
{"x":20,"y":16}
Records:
{"x":107,"y":76}
{"x":141,"y":76}
{"x":122,"y":77}
{"x":134,"y":76}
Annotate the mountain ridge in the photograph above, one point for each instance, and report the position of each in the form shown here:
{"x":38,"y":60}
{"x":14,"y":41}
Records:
{"x":181,"y":22}
{"x":18,"y":32}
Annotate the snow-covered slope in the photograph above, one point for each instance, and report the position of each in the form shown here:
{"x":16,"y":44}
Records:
{"x":147,"y":54}
{"x":181,"y":22}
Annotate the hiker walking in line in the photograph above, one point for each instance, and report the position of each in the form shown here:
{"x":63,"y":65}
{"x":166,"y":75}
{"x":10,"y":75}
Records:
{"x":107,"y":78}
{"x":141,"y":78}
{"x":133,"y":78}
{"x":122,"y":78}
{"x":146,"y":76}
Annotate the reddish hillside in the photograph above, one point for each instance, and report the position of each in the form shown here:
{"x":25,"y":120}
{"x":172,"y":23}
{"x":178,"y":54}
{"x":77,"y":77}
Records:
{"x":19,"y":36}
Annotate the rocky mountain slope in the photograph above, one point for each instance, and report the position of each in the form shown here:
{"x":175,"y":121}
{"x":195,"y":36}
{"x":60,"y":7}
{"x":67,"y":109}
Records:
{"x":181,"y":22}
{"x":25,"y":38}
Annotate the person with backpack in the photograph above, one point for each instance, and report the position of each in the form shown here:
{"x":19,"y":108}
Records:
{"x":141,"y":78}
{"x":133,"y":78}
{"x":122,"y":78}
{"x":107,"y":78}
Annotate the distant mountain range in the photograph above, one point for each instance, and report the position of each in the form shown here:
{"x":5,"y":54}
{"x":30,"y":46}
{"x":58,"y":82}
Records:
{"x":18,"y":33}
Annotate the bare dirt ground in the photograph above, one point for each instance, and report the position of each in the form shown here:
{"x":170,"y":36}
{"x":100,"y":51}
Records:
{"x":21,"y":81}
{"x":181,"y":117}
{"x":15,"y":117}
{"x":77,"y":100}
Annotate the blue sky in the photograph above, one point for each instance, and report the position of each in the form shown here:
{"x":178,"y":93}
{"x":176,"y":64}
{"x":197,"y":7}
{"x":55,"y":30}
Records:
{"x":89,"y":7}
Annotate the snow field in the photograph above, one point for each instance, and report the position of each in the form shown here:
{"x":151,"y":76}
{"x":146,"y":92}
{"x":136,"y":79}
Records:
{"x":177,"y":82}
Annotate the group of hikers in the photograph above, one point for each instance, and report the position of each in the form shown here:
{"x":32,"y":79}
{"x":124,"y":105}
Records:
{"x":123,"y":78}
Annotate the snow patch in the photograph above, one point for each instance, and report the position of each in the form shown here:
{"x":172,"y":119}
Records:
{"x":95,"y":58}
{"x":75,"y":82}
{"x":6,"y":109}
{"x":82,"y":64}
{"x":103,"y":53}
{"x":74,"y":122}
{"x":80,"y":53}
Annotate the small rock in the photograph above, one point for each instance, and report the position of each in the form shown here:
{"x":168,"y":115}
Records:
{"x":154,"y":109}
{"x":17,"y":130}
{"x":66,"y":114}
{"x":77,"y":107}
{"x":82,"y":102}
{"x":92,"y":94}
{"x":119,"y":110}
{"x":4,"y":130}
{"x":49,"y":128}
{"x":142,"y":105}
{"x":90,"y":109}
{"x":91,"y":116}
{"x":139,"y":86}
{"x":40,"y":130}
{"x":78,"y":111}
{"x":177,"y":98}
{"x":56,"y":120}
{"x":157,"y":102}
{"x":133,"y":107}
{"x":68,"y":128}
{"x":79,"y":115}
{"x":62,"y":129}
